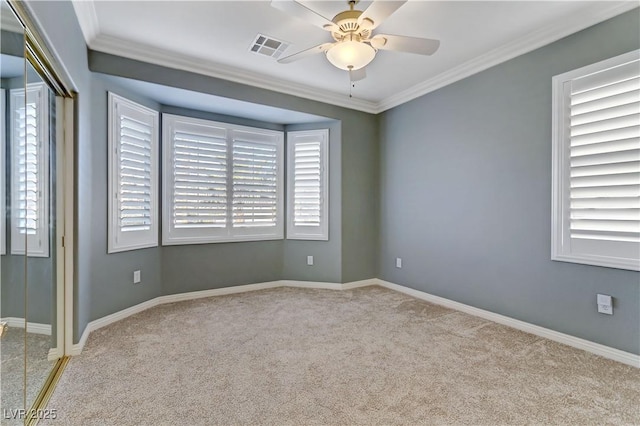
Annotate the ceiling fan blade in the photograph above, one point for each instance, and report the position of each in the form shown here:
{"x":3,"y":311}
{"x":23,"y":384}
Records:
{"x":301,"y":11}
{"x":421,"y":46}
{"x":378,"y":12}
{"x":305,"y":53}
{"x":357,"y":75}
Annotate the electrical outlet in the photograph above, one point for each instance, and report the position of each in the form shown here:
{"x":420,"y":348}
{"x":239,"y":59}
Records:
{"x":310,"y":260}
{"x":136,"y":277}
{"x":608,"y":310}
{"x":605,"y":304}
{"x":398,"y":262}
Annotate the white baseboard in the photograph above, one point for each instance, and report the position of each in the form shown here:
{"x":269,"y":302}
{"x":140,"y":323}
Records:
{"x":180,"y":297}
{"x":576,"y":342}
{"x":32,"y":327}
{"x":358,"y":284}
{"x":76,"y":348}
{"x":54,"y":354}
{"x":556,"y":336}
{"x":311,"y":284}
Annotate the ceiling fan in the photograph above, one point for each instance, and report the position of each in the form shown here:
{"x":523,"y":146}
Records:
{"x":354,"y":46}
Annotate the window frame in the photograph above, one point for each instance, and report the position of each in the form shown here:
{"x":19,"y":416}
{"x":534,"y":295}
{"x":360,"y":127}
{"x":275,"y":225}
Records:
{"x":172,"y":236}
{"x":560,"y":228}
{"x":295,"y":232}
{"x":141,"y":239}
{"x":19,"y":244}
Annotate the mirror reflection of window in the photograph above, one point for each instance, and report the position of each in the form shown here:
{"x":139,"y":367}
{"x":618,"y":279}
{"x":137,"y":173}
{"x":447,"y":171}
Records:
{"x":30,"y":154}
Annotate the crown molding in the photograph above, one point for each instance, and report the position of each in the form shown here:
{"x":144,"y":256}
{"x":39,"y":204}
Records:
{"x":592,"y":15}
{"x":532,"y":41}
{"x":157,"y":56}
{"x":88,"y":19}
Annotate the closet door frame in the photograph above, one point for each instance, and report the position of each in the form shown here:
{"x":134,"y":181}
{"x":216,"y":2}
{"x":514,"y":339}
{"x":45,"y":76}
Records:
{"x":38,"y":52}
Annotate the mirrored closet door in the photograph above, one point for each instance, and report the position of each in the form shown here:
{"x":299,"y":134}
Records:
{"x":31,"y":344}
{"x":13,"y":265}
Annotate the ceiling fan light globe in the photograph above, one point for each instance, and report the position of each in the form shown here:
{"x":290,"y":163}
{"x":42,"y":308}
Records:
{"x":351,"y":55}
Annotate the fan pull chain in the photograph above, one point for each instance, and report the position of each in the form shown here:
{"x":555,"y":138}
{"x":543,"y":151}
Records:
{"x":352,"y":84}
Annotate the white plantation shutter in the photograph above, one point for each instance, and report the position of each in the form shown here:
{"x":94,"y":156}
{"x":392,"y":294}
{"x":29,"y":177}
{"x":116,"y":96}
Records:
{"x":199,"y":179}
{"x":133,"y":133}
{"x":221,"y":182}
{"x":134,"y":165}
{"x":598,"y":153}
{"x":30,"y":156}
{"x":195,"y":179}
{"x":255,"y":183}
{"x":308,"y":185}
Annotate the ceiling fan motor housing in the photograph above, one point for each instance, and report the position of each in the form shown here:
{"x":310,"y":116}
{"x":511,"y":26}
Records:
{"x":347,"y":21}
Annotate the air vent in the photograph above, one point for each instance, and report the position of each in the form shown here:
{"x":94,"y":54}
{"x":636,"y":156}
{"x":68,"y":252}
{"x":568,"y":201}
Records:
{"x":268,"y":46}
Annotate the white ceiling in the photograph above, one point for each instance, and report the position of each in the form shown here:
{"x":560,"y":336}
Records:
{"x":213,"y":37}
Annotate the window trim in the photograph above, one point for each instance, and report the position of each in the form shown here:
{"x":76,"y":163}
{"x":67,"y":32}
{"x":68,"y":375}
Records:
{"x":19,"y":245}
{"x":560,"y":227}
{"x":148,"y":238}
{"x":294,"y":232}
{"x":169,"y":235}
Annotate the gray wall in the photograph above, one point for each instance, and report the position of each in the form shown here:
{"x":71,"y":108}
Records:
{"x":466,"y":195}
{"x":360,"y":202}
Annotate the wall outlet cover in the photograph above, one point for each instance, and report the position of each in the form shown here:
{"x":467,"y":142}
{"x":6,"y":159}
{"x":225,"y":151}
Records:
{"x":136,"y":277}
{"x":398,"y":262}
{"x":310,"y":260}
{"x":603,"y":309}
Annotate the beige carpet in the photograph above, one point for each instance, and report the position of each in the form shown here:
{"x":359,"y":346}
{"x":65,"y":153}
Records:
{"x":322,"y":357}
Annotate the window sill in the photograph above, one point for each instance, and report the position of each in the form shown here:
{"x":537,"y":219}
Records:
{"x":243,"y":239}
{"x":627,"y":264}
